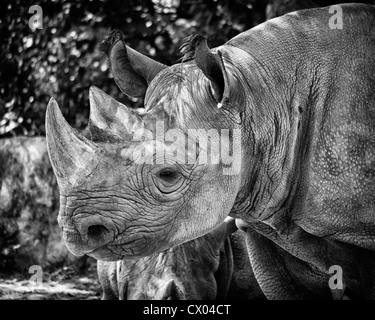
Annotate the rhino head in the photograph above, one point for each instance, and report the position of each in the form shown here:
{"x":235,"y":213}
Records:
{"x":194,"y":270}
{"x":144,"y":183}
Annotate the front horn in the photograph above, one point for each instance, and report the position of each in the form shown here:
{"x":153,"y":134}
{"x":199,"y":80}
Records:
{"x":72,"y":156}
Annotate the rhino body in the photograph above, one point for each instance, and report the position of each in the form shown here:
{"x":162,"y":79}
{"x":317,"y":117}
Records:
{"x":302,"y":96}
{"x":207,"y":268}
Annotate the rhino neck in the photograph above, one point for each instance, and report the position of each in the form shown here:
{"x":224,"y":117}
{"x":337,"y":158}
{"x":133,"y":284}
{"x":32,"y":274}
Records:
{"x":293,"y":86}
{"x":293,"y":72}
{"x":275,"y":106}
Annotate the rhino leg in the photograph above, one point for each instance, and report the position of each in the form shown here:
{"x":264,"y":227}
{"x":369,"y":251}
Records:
{"x":107,"y":274}
{"x":339,"y":295}
{"x":225,"y":271}
{"x":243,"y":284}
{"x":282,"y":276}
{"x":108,"y":295}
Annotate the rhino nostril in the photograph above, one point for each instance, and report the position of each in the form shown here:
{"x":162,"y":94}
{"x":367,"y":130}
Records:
{"x":96,"y":231}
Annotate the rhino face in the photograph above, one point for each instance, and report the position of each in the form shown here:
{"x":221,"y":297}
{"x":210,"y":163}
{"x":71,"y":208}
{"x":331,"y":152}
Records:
{"x":126,"y":192}
{"x":184,"y":272}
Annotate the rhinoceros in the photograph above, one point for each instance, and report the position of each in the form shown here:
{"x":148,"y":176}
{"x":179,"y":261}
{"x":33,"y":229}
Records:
{"x":215,"y":266}
{"x":292,"y":102}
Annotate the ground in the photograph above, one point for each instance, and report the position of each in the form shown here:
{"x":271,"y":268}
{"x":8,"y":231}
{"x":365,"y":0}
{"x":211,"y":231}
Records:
{"x":60,"y":284}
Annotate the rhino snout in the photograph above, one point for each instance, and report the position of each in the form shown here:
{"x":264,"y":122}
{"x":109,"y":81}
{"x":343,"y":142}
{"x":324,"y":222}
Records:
{"x":89,"y":234}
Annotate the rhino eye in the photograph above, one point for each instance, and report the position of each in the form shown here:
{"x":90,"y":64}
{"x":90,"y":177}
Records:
{"x":168,"y":175}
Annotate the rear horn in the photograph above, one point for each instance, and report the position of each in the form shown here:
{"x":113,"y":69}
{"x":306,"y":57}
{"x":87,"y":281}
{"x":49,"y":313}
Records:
{"x":110,"y":119}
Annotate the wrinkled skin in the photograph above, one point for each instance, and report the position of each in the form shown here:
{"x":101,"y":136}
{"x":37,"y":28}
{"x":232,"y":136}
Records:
{"x":215,"y":266}
{"x":305,"y":194}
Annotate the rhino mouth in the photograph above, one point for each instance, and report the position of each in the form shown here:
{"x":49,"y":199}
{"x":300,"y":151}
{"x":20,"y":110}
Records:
{"x":114,"y":253}
{"x":106,"y":249}
{"x":78,"y":247}
{"x":104,"y":254}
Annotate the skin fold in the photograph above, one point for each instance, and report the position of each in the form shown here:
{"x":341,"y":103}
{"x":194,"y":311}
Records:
{"x":302,"y":96}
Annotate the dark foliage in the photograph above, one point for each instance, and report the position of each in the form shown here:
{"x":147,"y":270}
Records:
{"x":63,"y":59}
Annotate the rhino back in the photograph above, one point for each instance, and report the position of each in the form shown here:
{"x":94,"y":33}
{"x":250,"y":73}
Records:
{"x":306,"y":37}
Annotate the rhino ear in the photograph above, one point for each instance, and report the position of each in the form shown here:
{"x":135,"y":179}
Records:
{"x":224,"y":230}
{"x":211,"y":64}
{"x":231,"y":226}
{"x":226,"y":266}
{"x":131,"y":70}
{"x":219,"y":235}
